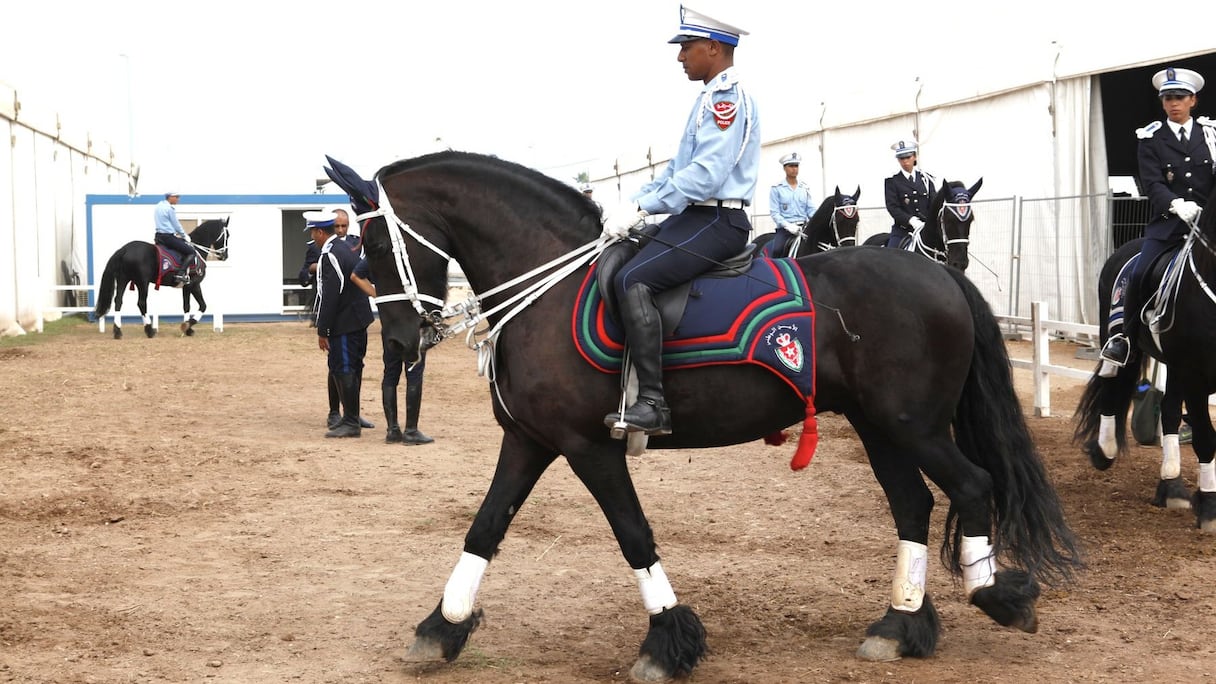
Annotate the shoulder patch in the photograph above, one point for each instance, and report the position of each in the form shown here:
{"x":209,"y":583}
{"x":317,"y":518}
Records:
{"x":1148,"y":131}
{"x":724,"y":113}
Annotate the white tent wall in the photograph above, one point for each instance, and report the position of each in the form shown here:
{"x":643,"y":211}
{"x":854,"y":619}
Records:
{"x":47,"y":167}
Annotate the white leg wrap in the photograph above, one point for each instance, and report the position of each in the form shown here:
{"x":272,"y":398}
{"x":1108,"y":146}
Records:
{"x":979,"y":567}
{"x":1106,"y":437}
{"x":1108,"y":369}
{"x":1171,"y":462}
{"x":1207,"y":477}
{"x":461,"y":590}
{"x":908,"y":585}
{"x":657,"y":593}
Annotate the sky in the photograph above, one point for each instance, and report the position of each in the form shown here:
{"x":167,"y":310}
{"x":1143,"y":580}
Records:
{"x":247,"y":97}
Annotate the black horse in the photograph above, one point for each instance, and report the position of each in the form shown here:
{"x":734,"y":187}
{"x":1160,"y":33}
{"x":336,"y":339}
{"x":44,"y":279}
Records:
{"x":1187,"y":336}
{"x":834,"y":224}
{"x":952,"y":415}
{"x":138,"y":264}
{"x":947,"y":234}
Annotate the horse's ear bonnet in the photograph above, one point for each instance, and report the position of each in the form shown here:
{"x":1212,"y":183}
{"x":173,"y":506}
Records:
{"x":363,"y":194}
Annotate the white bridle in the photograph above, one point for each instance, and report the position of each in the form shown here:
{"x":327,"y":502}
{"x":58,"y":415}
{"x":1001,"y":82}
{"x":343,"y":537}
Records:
{"x":469,"y":311}
{"x":960,"y":211}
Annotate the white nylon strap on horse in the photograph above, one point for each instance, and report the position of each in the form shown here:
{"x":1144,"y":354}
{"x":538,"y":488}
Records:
{"x":979,"y":566}
{"x":657,"y":594}
{"x":460,"y":593}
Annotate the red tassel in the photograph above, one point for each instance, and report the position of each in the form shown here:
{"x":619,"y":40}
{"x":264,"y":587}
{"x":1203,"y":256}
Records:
{"x":809,"y":440}
{"x":776,"y":438}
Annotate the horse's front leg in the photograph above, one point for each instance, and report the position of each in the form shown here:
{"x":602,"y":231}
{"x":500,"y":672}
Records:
{"x":911,"y":626}
{"x":675,"y":642}
{"x":443,"y":634}
{"x":1203,"y":441}
{"x":188,"y":319}
{"x":1171,"y":491}
{"x":142,"y":301}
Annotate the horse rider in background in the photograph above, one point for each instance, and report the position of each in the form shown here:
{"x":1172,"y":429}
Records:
{"x":789,"y":205}
{"x":587,"y":189}
{"x":705,"y":189}
{"x":171,"y":235}
{"x":907,"y":194}
{"x":1176,"y":162}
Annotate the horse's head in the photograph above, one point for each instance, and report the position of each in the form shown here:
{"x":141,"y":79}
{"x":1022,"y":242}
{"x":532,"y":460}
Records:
{"x":845,"y":217}
{"x":211,"y":237}
{"x":410,"y":271}
{"x":219,"y":248}
{"x":953,"y":213}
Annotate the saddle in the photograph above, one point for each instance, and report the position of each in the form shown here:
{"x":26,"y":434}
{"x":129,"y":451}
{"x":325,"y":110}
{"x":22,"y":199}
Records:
{"x":169,"y":265}
{"x":1160,"y":295}
{"x":670,"y":303}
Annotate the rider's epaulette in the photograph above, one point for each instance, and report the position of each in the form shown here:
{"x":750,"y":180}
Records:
{"x":1205,"y":121}
{"x":1148,"y":131}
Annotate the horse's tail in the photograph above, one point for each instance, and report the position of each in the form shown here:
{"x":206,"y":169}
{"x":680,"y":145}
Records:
{"x":989,"y":427}
{"x":105,"y":291}
{"x":1109,"y":396}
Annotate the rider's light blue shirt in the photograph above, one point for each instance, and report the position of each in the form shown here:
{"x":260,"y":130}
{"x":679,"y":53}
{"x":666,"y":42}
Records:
{"x":166,"y":219}
{"x":790,"y":205}
{"x":718,"y":156}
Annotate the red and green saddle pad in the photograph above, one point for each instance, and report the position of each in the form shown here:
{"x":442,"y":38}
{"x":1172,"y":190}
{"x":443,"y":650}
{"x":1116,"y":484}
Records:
{"x":763,"y":317}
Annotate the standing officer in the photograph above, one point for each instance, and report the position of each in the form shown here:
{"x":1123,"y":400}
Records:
{"x":343,"y":314}
{"x":588,"y":189}
{"x":789,"y":205}
{"x":1176,"y":174}
{"x":908,"y":194}
{"x":704,"y":188}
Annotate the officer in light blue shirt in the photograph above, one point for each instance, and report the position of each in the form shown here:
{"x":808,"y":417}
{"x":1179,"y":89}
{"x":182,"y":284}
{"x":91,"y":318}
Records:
{"x":789,"y":205}
{"x":705,"y":189}
{"x":171,"y":235}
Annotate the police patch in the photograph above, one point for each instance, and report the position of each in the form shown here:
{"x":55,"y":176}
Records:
{"x":724,"y":114}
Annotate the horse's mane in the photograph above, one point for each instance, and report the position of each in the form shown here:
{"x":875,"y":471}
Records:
{"x":494,"y":165}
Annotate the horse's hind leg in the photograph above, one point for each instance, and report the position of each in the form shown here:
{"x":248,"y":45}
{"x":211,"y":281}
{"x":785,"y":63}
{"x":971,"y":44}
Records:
{"x":1171,"y":491}
{"x":188,"y":318}
{"x":911,"y":626}
{"x":1203,"y":441}
{"x":675,"y":642}
{"x":149,"y":330}
{"x":1006,"y":596}
{"x":443,"y":634}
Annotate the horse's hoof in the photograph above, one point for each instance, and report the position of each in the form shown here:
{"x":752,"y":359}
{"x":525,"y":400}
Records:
{"x":1096,"y":456}
{"x":424,"y":651}
{"x":647,"y":670}
{"x":879,"y":650}
{"x":117,"y":333}
{"x":1010,"y":600}
{"x":1172,"y":493}
{"x":149,"y":330}
{"x":1205,"y":511}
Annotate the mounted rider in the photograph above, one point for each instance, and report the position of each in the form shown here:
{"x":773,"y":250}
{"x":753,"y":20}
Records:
{"x":1177,"y":172}
{"x":704,"y":188}
{"x":907,"y":194}
{"x":171,"y":236}
{"x":789,"y":204}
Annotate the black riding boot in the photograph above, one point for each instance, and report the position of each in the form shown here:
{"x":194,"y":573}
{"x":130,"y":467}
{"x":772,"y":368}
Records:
{"x":413,"y":406}
{"x":644,"y":335}
{"x":1118,"y":347}
{"x":335,"y":414}
{"x":348,"y":391}
{"x":365,"y":424}
{"x":388,"y":397}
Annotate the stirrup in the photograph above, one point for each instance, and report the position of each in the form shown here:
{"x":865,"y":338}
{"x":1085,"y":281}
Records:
{"x":1117,"y":356}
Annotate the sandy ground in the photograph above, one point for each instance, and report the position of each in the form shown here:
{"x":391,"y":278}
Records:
{"x":154,"y":531}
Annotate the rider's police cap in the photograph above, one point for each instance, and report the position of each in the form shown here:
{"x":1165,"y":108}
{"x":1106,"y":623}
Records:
{"x":1177,"y":82}
{"x":172,"y":194}
{"x":323,"y":220}
{"x":791,"y":158}
{"x":586,"y":187}
{"x":694,"y":26}
{"x":904,"y":148}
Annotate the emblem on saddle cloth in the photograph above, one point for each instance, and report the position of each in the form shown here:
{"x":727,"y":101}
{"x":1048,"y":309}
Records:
{"x":763,"y":317}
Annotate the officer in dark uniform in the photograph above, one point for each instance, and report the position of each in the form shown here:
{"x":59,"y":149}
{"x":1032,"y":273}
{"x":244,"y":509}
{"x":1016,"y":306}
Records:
{"x":1176,"y":174}
{"x":343,"y":315}
{"x":907,"y":194}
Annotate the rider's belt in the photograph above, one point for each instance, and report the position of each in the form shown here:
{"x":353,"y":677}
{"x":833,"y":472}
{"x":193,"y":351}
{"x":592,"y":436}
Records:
{"x":727,"y":204}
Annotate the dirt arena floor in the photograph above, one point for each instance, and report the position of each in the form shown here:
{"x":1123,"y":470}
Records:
{"x":159,"y":531}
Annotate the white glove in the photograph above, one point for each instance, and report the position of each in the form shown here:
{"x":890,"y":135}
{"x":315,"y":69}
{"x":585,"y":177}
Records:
{"x":791,"y":228}
{"x":1185,"y":209}
{"x":619,"y":221}
{"x":916,"y":223}
{"x":186,"y":237}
